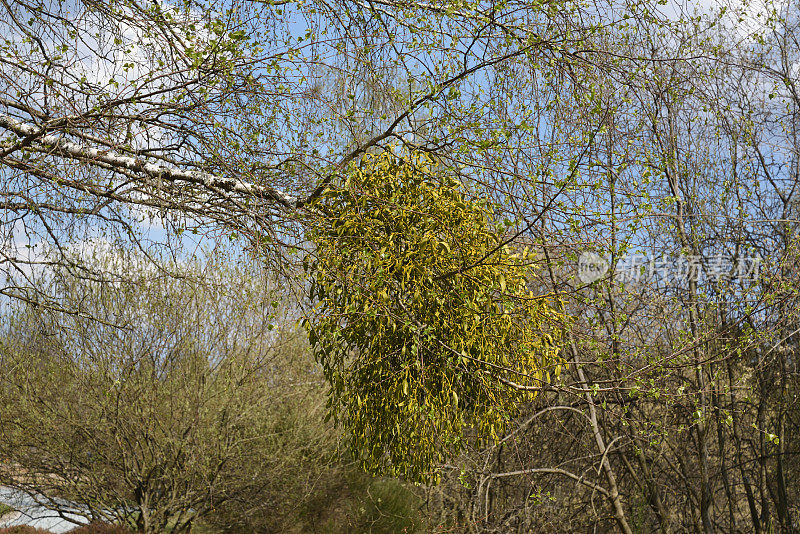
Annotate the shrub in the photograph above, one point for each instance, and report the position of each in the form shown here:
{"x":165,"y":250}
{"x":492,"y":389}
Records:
{"x":157,"y":388}
{"x":24,"y":529}
{"x":101,"y":528}
{"x":359,"y":503}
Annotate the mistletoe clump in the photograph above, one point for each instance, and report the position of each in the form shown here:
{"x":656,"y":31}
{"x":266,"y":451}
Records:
{"x":424,"y":322}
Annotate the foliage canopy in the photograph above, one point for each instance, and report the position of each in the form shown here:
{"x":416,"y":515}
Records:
{"x":424,"y":323}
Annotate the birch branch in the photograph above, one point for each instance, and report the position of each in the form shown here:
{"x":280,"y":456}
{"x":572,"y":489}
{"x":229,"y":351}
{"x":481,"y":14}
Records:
{"x":71,"y":150}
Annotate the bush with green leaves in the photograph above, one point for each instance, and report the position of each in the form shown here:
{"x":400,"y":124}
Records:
{"x":161,"y":402}
{"x":424,"y":321}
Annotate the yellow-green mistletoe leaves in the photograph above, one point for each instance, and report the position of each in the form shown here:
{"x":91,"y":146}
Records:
{"x":423,"y":318}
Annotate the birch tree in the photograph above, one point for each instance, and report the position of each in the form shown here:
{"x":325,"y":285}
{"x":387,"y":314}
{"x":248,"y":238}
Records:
{"x":229,"y":118}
